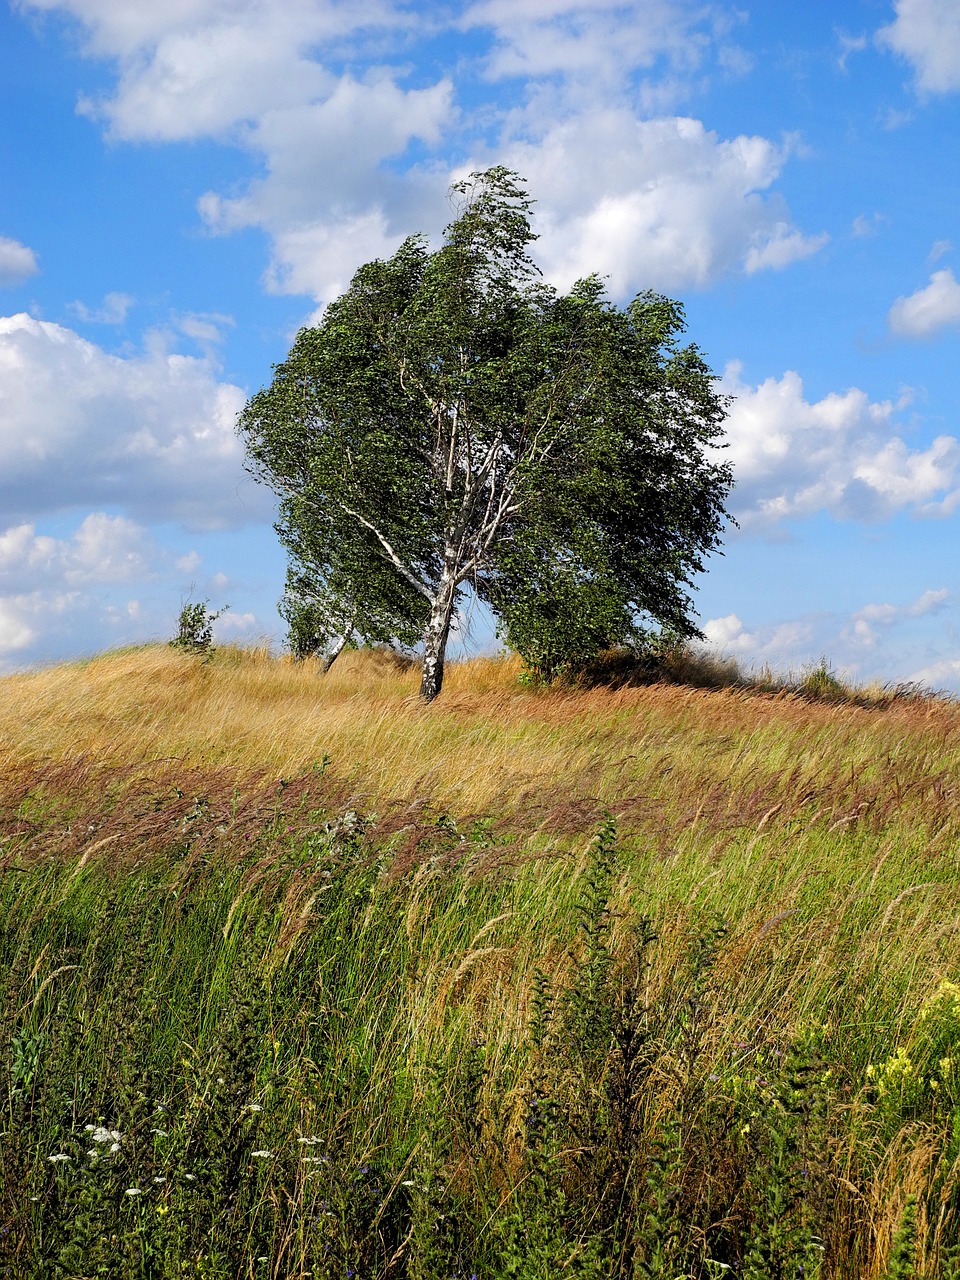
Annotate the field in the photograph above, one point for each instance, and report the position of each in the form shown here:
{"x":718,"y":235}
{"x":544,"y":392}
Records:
{"x":300,"y":977}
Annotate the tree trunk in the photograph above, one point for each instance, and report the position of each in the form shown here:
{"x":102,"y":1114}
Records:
{"x":328,"y":659}
{"x":435,"y":641}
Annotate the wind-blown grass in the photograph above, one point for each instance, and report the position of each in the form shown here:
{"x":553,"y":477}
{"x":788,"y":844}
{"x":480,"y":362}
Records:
{"x":361,"y":990}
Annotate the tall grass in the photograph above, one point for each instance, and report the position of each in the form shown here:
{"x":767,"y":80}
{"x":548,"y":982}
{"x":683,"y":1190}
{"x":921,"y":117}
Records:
{"x":371,"y":989}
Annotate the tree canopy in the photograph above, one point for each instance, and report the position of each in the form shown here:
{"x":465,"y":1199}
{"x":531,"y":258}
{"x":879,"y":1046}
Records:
{"x":453,"y":420}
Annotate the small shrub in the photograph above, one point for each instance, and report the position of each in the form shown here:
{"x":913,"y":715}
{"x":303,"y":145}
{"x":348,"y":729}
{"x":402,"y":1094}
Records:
{"x":195,"y":628}
{"x":823,"y":685}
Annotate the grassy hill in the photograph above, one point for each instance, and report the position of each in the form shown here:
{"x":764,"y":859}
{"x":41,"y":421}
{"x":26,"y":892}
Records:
{"x":301,"y":977}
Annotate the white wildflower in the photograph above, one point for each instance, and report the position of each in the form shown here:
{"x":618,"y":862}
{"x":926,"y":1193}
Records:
{"x":261,"y":1155}
{"x":56,"y":1159}
{"x":99,"y":1134}
{"x":133,"y":1191}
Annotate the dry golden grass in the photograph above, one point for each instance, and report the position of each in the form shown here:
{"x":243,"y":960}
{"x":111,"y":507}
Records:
{"x":659,"y":755}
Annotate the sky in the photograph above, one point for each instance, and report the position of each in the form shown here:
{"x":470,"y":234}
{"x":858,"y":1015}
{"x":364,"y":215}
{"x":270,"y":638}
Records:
{"x":184,"y":185}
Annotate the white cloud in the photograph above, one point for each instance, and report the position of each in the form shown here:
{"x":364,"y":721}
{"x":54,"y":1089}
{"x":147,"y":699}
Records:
{"x":103,"y":548}
{"x":17,"y":262}
{"x":943,"y":674}
{"x":113,"y":311}
{"x":781,"y":246}
{"x":929,"y":309}
{"x":866,"y":624}
{"x":776,"y":644}
{"x":660,"y":203}
{"x":605,"y":40}
{"x":189,"y":562}
{"x":656,"y":201}
{"x":841,"y":454}
{"x":848,"y":45}
{"x":927,"y":34}
{"x":236,"y":624}
{"x":152,"y":435}
{"x":54,"y":587}
{"x":322,"y":231}
{"x":15,"y":631}
{"x":194,"y":68}
{"x":866,"y":226}
{"x":874,"y":642}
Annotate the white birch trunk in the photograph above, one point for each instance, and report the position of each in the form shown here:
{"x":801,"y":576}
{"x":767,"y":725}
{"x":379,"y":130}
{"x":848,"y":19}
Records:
{"x":330,"y":657}
{"x":435,"y":637}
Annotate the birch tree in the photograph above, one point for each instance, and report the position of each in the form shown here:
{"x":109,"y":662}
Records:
{"x":452,"y":420}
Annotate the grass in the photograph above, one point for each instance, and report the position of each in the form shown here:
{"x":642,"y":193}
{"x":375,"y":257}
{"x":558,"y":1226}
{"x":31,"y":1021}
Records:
{"x":401,"y":950}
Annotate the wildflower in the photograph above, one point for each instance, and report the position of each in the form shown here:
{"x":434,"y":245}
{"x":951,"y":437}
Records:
{"x":58,"y":1158}
{"x":261,"y":1155}
{"x":407,"y":1182}
{"x":253,"y":1106}
{"x":311,"y":1142}
{"x":190,"y":1177}
{"x":159,"y":1178}
{"x":102,"y":1135}
{"x":161,"y":1133}
{"x":133,"y":1191}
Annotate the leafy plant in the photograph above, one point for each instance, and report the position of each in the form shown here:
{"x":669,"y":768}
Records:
{"x":195,"y":627}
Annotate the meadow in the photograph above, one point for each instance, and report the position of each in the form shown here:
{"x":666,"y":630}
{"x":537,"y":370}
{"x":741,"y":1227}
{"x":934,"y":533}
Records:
{"x":300,"y":977}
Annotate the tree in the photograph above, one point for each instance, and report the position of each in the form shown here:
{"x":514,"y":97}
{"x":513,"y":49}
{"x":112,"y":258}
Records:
{"x":453,"y":420}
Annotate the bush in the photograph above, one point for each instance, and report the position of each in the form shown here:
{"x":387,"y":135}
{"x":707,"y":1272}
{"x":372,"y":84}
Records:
{"x":195,"y":628}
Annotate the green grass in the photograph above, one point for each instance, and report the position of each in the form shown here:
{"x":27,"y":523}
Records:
{"x":482,"y":1064}
{"x":720,"y":1035}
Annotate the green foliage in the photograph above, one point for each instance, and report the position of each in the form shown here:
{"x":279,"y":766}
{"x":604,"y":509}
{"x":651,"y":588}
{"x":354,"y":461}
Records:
{"x":269,"y":1064}
{"x":821,"y":683}
{"x":453,"y":420}
{"x":195,"y":628}
{"x":901,"y":1263}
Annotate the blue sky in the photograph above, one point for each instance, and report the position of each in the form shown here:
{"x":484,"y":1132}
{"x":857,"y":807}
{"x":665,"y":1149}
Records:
{"x":183,"y":185}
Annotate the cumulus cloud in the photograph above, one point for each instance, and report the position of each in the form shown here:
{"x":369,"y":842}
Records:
{"x":929,"y":309}
{"x":55,"y":584}
{"x":17,"y":262}
{"x":873,"y":642}
{"x":605,"y":40}
{"x":152,"y":435}
{"x":927,"y":34}
{"x":658,"y":201}
{"x":195,"y":68}
{"x":662,"y":203}
{"x":103,"y":548}
{"x":775,"y":644}
{"x":320,"y":230}
{"x":843,"y":454}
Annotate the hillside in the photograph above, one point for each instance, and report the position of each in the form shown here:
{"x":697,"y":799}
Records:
{"x":325,"y":930}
